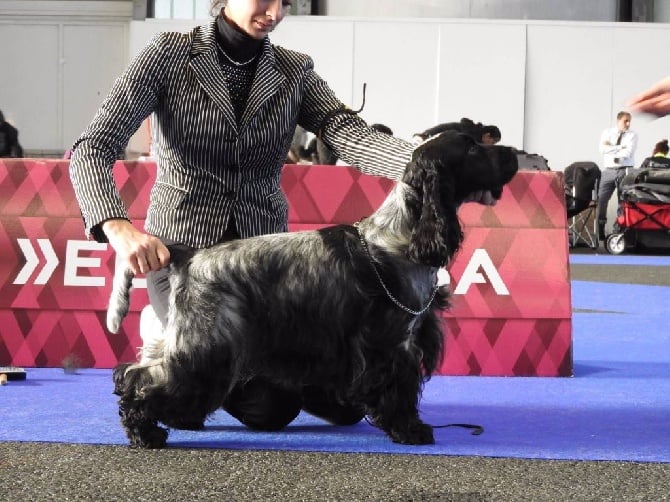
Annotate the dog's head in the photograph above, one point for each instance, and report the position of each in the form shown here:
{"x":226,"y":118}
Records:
{"x":444,"y":172}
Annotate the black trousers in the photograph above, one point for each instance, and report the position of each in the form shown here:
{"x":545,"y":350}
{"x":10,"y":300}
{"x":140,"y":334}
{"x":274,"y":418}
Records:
{"x":609,"y":182}
{"x":259,"y":403}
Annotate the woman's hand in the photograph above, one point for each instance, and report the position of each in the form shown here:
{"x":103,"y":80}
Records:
{"x":655,"y":100}
{"x":142,"y":252}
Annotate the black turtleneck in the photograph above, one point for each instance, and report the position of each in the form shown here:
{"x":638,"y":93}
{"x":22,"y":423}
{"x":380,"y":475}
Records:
{"x":237,"y":44}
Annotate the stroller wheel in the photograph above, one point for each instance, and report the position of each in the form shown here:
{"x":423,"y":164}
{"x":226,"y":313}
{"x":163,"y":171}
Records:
{"x":615,"y":244}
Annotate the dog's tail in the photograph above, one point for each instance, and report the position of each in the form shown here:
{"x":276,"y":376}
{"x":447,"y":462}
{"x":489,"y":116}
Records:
{"x":119,"y":299}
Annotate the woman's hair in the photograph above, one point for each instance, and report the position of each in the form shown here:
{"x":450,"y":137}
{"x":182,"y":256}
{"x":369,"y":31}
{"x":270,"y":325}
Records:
{"x":215,"y":6}
{"x":661,"y":147}
{"x":382,"y":128}
{"x":492,"y":130}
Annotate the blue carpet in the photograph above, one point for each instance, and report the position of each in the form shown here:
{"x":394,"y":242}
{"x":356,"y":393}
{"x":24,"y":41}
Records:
{"x":623,"y":259}
{"x":617,"y":406}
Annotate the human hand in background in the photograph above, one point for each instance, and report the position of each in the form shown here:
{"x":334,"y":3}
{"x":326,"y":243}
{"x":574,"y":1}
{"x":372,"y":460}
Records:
{"x":654,"y":100}
{"x":142,"y":252}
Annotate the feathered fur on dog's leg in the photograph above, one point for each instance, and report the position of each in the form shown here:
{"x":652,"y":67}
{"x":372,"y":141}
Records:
{"x":395,"y":406}
{"x":119,"y":299}
{"x":140,"y":424}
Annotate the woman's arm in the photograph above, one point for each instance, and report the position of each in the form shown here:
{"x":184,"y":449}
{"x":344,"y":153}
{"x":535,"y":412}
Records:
{"x":132,"y":98}
{"x":348,"y":135}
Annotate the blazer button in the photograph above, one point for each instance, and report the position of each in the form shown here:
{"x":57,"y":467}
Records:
{"x":231,"y":194}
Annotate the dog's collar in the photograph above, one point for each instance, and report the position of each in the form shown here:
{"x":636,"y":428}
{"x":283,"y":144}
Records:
{"x":386,"y":289}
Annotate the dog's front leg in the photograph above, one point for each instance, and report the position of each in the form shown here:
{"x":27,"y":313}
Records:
{"x":395,"y":409}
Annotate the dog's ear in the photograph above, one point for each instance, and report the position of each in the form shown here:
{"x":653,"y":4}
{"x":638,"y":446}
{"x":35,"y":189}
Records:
{"x":432,"y":240}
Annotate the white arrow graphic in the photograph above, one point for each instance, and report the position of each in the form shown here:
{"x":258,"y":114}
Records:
{"x":52,"y":261}
{"x":32,"y":261}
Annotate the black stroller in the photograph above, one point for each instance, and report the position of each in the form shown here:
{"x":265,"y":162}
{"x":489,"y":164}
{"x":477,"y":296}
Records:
{"x":643,"y":219}
{"x":581,"y":196}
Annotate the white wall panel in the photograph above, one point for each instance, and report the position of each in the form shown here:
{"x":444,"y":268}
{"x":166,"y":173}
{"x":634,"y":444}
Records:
{"x":482,"y":76}
{"x":29,"y":83}
{"x":568,"y":92}
{"x":59,"y":55}
{"x":329,"y":42}
{"x":399,"y":62}
{"x":94,"y":57}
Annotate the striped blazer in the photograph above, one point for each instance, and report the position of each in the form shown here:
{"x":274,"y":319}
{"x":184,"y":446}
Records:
{"x":210,"y":166}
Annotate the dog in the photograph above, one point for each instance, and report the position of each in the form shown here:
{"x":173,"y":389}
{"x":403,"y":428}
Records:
{"x":352,"y":311}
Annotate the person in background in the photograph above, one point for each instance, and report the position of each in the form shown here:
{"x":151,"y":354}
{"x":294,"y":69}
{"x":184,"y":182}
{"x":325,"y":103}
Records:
{"x":225,"y":103}
{"x":297,"y":148}
{"x":9,"y":139}
{"x":617,"y":145}
{"x":319,"y":153}
{"x":654,"y":100}
{"x":659,"y":157}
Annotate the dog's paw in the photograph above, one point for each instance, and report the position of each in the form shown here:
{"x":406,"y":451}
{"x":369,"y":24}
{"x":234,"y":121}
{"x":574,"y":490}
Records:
{"x":150,"y":437}
{"x":417,"y":433}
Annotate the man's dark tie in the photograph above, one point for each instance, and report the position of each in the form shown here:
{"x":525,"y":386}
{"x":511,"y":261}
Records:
{"x":618,"y":142}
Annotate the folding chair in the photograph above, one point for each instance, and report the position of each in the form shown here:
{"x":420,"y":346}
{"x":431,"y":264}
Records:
{"x":581,"y":199}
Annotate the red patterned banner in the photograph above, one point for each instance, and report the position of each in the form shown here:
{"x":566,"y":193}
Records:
{"x":511,"y":314}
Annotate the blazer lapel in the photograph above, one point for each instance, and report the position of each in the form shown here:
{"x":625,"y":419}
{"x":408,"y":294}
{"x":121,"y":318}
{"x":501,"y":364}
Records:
{"x":209,"y":73}
{"x":266,"y":83}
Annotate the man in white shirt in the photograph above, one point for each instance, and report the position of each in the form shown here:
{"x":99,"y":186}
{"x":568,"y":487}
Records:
{"x":617,"y":145}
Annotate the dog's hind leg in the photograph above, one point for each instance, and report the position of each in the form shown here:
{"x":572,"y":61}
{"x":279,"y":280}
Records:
{"x":140,"y":424}
{"x":324,"y":404}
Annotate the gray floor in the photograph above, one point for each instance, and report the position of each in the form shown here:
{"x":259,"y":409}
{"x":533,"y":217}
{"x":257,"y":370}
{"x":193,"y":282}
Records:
{"x":30,"y":471}
{"x":33,"y":471}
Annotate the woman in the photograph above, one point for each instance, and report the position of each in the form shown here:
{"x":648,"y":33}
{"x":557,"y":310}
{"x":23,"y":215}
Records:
{"x":225,"y":105}
{"x":659,"y":157}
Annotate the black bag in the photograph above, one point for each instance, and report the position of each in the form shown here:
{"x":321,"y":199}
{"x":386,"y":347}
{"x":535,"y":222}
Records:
{"x":532,"y":162}
{"x":580,"y":179}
